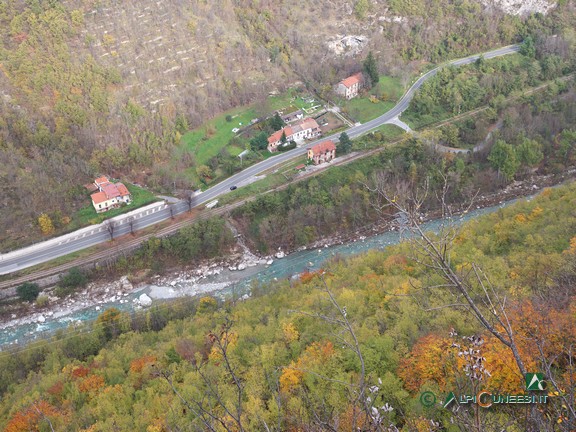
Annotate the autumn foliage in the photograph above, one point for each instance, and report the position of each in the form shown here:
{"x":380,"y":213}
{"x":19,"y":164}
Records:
{"x":539,"y":332}
{"x":91,"y":384}
{"x":296,"y":372}
{"x":430,"y":360}
{"x":315,"y":354}
{"x":138,"y":364}
{"x":29,"y":419}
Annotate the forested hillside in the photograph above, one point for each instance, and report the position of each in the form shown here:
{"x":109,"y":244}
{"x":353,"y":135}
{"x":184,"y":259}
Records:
{"x":513,"y":141}
{"x":109,"y":86}
{"x":351,"y":346}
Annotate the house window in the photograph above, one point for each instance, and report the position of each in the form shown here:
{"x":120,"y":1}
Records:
{"x":99,"y":205}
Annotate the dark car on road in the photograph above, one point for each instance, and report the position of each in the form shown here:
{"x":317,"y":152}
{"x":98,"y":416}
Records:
{"x":233,"y":187}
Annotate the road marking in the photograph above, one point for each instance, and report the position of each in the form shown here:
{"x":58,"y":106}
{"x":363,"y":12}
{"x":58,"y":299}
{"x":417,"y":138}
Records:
{"x":404,"y":100}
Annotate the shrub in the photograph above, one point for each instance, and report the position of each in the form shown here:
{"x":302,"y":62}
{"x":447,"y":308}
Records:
{"x":287,"y":146}
{"x":28,"y":291}
{"x":42,"y":301}
{"x":68,"y":283}
{"x":74,"y":279}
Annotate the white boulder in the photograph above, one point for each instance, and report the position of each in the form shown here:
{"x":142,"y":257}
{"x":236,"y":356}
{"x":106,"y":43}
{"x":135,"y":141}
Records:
{"x":125,"y":283}
{"x":144,"y":300}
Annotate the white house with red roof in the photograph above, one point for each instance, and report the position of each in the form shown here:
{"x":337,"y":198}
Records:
{"x":322,"y":152}
{"x":350,"y":86}
{"x":304,"y":129}
{"x":110,"y":195}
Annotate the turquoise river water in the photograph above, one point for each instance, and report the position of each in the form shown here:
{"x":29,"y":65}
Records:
{"x":240,"y":282}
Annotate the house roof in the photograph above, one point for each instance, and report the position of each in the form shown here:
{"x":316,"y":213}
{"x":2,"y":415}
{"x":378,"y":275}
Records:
{"x":91,"y":187}
{"x":98,"y":197}
{"x":101,"y":180}
{"x":111,"y":190}
{"x":351,"y":80}
{"x":323,"y":147}
{"x":293,"y":114}
{"x":276,"y":136}
{"x":108,"y":190}
{"x":123,"y":190}
{"x":308,"y":123}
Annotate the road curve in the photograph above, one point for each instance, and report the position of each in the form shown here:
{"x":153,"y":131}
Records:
{"x":54,"y":248}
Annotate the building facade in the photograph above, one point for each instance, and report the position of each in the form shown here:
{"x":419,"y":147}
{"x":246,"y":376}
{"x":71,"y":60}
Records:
{"x":110,"y":195}
{"x":322,"y":152}
{"x":298,"y":132}
{"x":349,"y":87}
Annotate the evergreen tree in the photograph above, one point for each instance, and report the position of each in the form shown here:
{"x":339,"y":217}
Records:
{"x":259,"y":142}
{"x":283,"y":138}
{"x":345,"y":144}
{"x":528,"y":47}
{"x":371,"y":68}
{"x":276,"y":122}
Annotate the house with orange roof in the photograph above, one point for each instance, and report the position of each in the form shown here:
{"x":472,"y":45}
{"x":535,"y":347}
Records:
{"x":322,"y":152}
{"x":350,"y":86}
{"x":298,"y":132}
{"x":110,"y":195}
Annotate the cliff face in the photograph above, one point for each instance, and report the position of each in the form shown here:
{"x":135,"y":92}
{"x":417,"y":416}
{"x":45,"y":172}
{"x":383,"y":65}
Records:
{"x":198,"y":57}
{"x":521,"y":7}
{"x":206,"y":56}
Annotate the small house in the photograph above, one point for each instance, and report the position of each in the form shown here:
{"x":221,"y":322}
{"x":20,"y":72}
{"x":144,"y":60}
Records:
{"x":110,"y":195}
{"x":322,"y":152}
{"x":293,"y":116}
{"x":298,"y":132}
{"x":349,"y":87}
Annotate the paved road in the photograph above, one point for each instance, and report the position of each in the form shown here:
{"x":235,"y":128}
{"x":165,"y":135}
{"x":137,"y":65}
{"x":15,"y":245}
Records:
{"x":42,"y":252}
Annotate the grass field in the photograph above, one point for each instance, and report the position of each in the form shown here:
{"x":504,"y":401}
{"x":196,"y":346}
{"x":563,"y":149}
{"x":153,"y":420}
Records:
{"x":376,"y":138}
{"x":363,"y":109}
{"x":88,"y":216}
{"x":418,"y":121}
{"x":291,"y":100}
{"x":206,"y":141}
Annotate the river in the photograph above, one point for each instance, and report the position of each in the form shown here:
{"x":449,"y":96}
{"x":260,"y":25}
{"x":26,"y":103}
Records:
{"x":226,"y":283}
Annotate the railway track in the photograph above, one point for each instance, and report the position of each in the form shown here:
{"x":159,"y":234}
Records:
{"x":115,"y":248}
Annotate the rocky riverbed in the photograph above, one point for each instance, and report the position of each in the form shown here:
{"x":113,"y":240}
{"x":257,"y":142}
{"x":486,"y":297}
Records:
{"x":177,"y":283}
{"x":215,"y":275}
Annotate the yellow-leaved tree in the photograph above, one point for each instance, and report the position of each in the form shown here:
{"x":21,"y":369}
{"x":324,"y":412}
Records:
{"x":45,"y":223}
